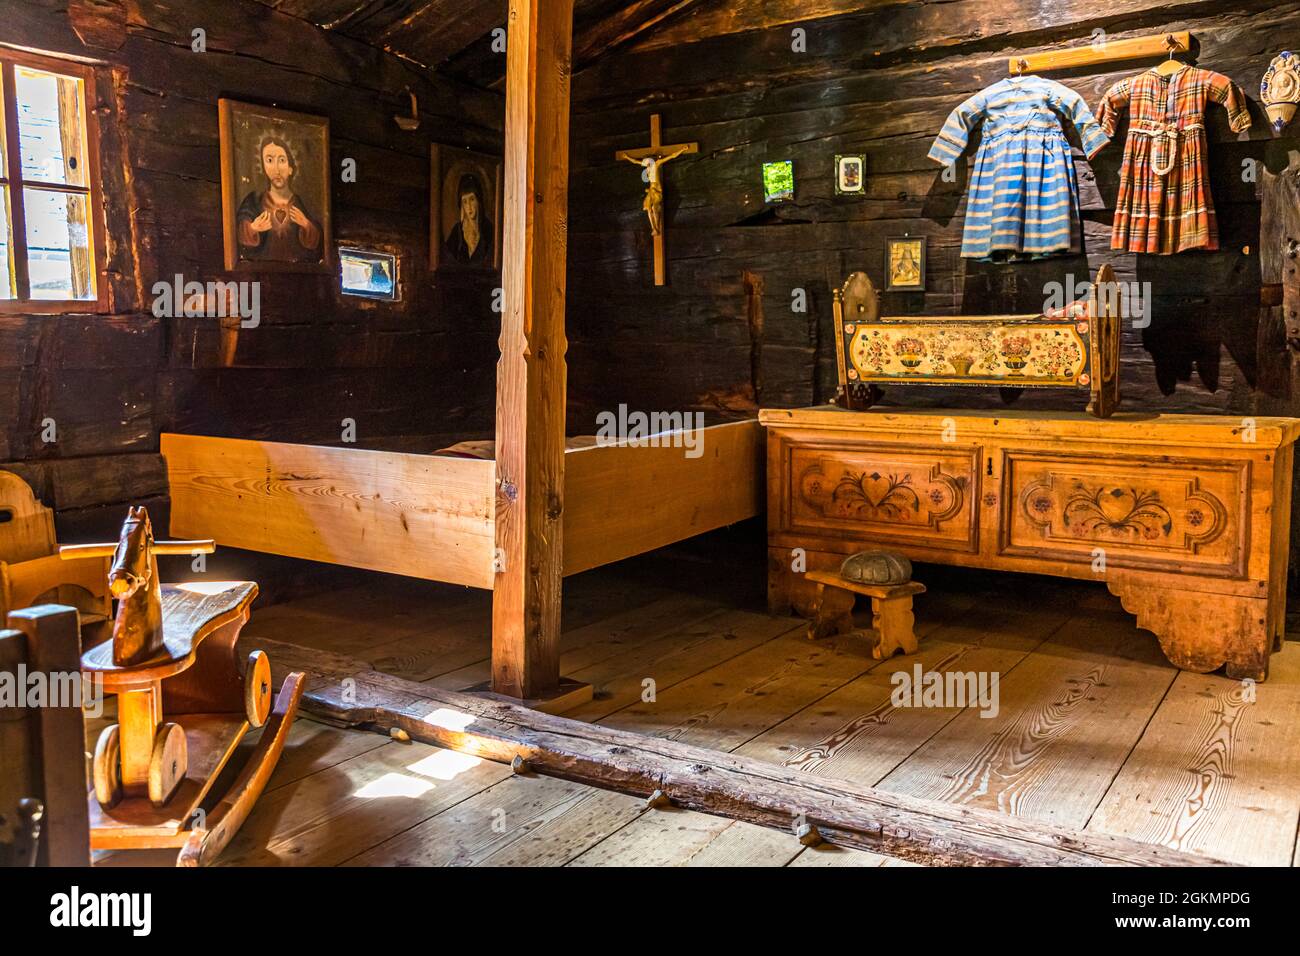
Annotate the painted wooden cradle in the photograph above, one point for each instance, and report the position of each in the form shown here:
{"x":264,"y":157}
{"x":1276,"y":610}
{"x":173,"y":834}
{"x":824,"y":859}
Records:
{"x":1075,"y":345}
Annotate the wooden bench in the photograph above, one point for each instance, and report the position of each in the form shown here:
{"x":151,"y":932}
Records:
{"x":891,"y":611}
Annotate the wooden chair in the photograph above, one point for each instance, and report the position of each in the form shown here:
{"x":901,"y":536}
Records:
{"x":172,"y":659}
{"x":31,"y":572}
{"x":43,"y":817}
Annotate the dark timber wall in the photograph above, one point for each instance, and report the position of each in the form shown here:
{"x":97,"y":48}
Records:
{"x":881,"y":82}
{"x":113,"y":382}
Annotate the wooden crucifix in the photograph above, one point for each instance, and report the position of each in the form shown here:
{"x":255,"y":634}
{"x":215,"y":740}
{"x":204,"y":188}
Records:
{"x":651,"y":159}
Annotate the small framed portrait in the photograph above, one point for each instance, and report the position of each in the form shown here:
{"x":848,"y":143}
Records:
{"x":275,"y":195}
{"x":371,"y":275}
{"x":850,"y":174}
{"x":778,"y":181}
{"x":905,"y":264}
{"x":465,"y":191}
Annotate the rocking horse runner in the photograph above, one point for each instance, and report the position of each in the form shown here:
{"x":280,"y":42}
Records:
{"x":152,"y":776}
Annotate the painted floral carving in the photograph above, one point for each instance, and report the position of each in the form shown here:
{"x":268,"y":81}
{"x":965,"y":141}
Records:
{"x":888,"y":495}
{"x":892,"y":502}
{"x":1047,"y":353}
{"x":1117,"y":512}
{"x":1140,"y":512}
{"x":910,"y":351}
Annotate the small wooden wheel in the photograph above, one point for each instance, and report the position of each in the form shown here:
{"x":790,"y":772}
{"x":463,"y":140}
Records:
{"x":168,"y":764}
{"x":106,"y":769}
{"x":257,"y":688}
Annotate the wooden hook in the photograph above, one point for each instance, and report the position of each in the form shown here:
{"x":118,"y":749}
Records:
{"x":658,"y":801}
{"x":520,"y":765}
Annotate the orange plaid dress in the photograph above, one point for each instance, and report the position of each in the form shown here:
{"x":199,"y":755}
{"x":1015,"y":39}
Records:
{"x":1164,"y":204}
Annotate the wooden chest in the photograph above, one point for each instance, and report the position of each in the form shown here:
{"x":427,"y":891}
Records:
{"x":1185,"y":517}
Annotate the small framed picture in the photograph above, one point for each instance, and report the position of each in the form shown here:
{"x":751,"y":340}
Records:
{"x":905,"y":264}
{"x":778,"y":181}
{"x":850,"y":179}
{"x":372,"y":275}
{"x":275,"y":189}
{"x":465,"y":192}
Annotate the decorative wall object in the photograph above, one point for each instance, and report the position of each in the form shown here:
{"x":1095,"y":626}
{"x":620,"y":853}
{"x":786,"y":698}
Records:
{"x":905,"y":264}
{"x":275,"y":192}
{"x":1280,"y":89}
{"x":850,"y":174}
{"x":778,"y":181}
{"x":372,"y":275}
{"x":465,"y":192}
{"x":651,"y":159}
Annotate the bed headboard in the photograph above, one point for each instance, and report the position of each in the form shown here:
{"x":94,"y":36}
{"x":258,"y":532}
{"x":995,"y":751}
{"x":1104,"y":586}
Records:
{"x":1074,"y":346}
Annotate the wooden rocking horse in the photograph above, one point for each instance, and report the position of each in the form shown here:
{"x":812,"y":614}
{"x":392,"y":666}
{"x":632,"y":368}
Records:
{"x":172,"y":658}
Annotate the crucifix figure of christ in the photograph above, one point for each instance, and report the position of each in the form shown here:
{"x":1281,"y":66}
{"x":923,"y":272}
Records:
{"x":652,"y":159}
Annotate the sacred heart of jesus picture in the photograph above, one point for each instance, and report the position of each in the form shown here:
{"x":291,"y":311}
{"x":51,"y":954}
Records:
{"x":275,"y":193}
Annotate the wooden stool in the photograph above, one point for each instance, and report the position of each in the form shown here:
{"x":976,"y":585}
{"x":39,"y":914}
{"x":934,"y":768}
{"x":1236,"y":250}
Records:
{"x":891,"y":611}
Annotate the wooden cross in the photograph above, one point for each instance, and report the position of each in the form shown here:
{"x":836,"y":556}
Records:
{"x":651,"y":159}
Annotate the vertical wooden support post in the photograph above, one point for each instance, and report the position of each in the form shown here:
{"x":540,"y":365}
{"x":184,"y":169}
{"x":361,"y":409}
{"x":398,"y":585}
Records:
{"x":531,"y":375}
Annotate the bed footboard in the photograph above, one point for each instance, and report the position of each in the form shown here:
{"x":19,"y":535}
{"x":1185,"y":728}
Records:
{"x":623,"y":500}
{"x":419,"y":515}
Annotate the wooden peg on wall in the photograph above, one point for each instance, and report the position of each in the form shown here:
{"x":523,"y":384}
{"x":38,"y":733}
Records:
{"x":1102,"y":51}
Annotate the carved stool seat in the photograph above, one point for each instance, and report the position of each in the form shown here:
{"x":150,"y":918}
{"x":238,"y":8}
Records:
{"x":891,"y":611}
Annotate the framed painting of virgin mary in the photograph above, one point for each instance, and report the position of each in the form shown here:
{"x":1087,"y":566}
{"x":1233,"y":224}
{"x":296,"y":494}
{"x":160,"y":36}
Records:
{"x":275,"y":194}
{"x":465,"y":191}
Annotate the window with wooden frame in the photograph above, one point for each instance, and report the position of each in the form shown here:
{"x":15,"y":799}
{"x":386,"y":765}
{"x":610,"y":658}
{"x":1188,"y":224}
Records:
{"x":51,"y":259}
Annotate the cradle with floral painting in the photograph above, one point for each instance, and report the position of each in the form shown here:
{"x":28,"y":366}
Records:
{"x":1075,"y":345}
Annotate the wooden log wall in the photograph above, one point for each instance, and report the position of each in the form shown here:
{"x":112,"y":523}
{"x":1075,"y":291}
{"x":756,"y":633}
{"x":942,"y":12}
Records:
{"x":112,"y":382}
{"x":881,"y":82}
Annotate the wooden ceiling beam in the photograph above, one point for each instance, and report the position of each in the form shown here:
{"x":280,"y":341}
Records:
{"x":439,"y":29}
{"x":624,"y":26}
{"x":744,"y":16}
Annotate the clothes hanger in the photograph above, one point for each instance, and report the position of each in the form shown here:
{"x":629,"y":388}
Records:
{"x":1170,"y":66}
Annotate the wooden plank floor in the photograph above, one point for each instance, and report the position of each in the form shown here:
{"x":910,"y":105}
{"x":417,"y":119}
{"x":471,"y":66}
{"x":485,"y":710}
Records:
{"x":1093,"y":728}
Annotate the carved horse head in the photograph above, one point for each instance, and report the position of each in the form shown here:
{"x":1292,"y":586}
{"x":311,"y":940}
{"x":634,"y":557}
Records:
{"x":133,"y":580}
{"x":130,"y":568}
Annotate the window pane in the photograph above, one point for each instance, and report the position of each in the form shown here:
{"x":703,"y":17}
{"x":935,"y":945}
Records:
{"x":58,"y":248}
{"x":6,"y":251}
{"x":50,"y":124}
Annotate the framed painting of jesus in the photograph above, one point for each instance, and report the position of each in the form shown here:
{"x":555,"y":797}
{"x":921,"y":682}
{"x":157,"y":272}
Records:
{"x":275,"y":194}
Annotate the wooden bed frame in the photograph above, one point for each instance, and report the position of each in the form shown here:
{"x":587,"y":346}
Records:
{"x":433,"y":516}
{"x":518,"y":524}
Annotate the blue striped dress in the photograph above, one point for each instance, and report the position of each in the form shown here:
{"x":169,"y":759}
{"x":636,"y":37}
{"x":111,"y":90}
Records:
{"x":1023,"y":194}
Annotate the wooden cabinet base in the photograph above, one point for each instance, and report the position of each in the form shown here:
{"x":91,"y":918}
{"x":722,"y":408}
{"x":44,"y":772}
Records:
{"x":1185,"y":517}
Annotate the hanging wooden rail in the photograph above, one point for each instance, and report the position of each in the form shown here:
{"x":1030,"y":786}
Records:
{"x":1136,"y":48}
